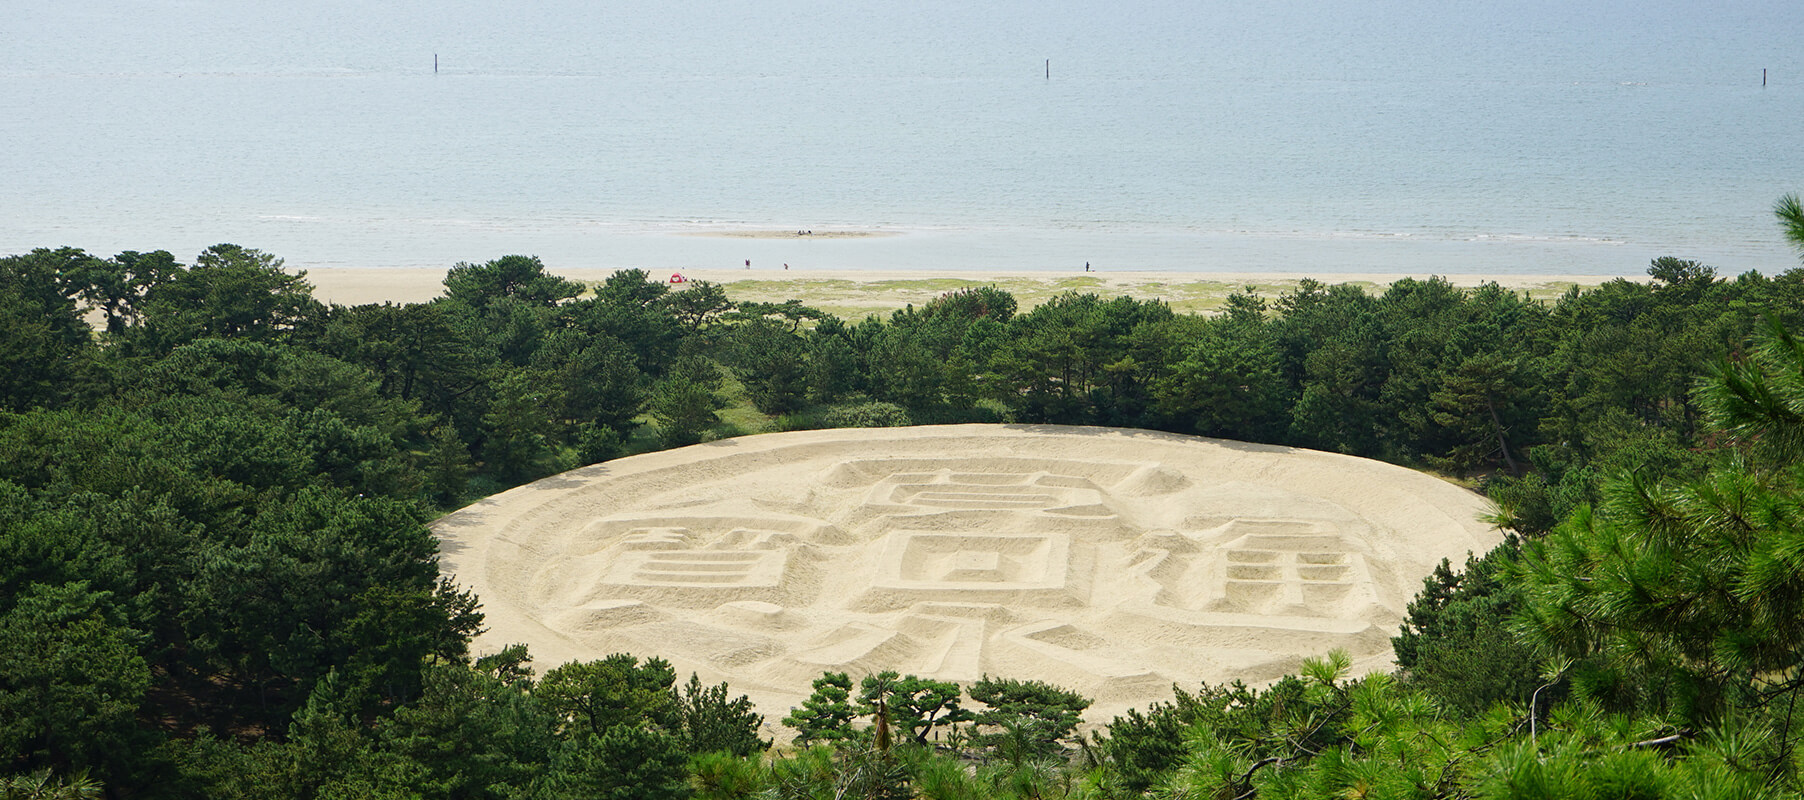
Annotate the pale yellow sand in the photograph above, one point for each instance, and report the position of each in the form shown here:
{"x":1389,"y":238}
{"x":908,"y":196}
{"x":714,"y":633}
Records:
{"x":1112,"y":562}
{"x":858,"y":293}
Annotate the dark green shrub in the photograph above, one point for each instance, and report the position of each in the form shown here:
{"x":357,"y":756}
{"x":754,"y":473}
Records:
{"x":867,"y":415}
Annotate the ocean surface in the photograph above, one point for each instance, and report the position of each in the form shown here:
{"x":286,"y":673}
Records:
{"x":1457,"y":137}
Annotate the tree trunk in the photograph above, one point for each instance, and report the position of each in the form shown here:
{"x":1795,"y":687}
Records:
{"x":1497,"y":422}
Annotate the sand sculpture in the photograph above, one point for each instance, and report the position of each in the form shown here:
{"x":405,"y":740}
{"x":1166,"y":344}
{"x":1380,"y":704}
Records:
{"x":1111,"y":562}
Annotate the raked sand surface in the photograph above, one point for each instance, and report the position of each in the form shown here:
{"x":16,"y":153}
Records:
{"x":854,"y":294}
{"x":1111,"y":562}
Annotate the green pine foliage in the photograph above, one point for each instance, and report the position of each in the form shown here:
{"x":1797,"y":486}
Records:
{"x":826,"y":716}
{"x":1025,"y":720}
{"x":1456,"y":643}
{"x":710,"y":722}
{"x":916,"y":708}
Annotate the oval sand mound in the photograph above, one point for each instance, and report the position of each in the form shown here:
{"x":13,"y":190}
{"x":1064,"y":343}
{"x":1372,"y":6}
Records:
{"x":1111,"y":562}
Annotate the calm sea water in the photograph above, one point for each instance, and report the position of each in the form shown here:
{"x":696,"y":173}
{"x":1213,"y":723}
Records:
{"x":1509,"y":136}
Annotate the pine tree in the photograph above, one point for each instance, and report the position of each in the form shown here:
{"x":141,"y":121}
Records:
{"x":1688,"y":597}
{"x":826,"y":716}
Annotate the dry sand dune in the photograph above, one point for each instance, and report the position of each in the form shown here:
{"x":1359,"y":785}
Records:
{"x":1111,"y":562}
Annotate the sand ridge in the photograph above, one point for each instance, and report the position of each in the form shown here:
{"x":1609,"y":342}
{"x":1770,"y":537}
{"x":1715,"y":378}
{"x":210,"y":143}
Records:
{"x":1112,"y":562}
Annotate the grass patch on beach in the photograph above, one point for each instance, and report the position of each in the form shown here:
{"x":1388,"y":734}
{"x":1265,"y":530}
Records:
{"x":934,"y":285}
{"x":853,"y":300}
{"x":848,"y":299}
{"x":740,"y":420}
{"x":778,"y":287}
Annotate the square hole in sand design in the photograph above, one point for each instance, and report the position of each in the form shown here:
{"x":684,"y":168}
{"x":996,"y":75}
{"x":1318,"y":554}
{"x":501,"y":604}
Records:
{"x":952,"y":561}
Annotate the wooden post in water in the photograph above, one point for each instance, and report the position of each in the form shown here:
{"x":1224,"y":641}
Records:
{"x":1049,"y":69}
{"x":435,"y":63}
{"x":1763,"y":77}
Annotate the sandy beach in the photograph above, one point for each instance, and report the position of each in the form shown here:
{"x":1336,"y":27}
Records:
{"x":859,"y":293}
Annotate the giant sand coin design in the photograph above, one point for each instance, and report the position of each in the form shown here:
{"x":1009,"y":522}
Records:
{"x":1111,"y":562}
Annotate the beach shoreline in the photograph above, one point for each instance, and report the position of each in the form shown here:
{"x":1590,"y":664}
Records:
{"x":858,"y":293}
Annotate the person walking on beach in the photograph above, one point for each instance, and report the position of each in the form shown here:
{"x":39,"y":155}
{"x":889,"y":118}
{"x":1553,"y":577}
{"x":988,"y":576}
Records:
{"x":748,"y":263}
